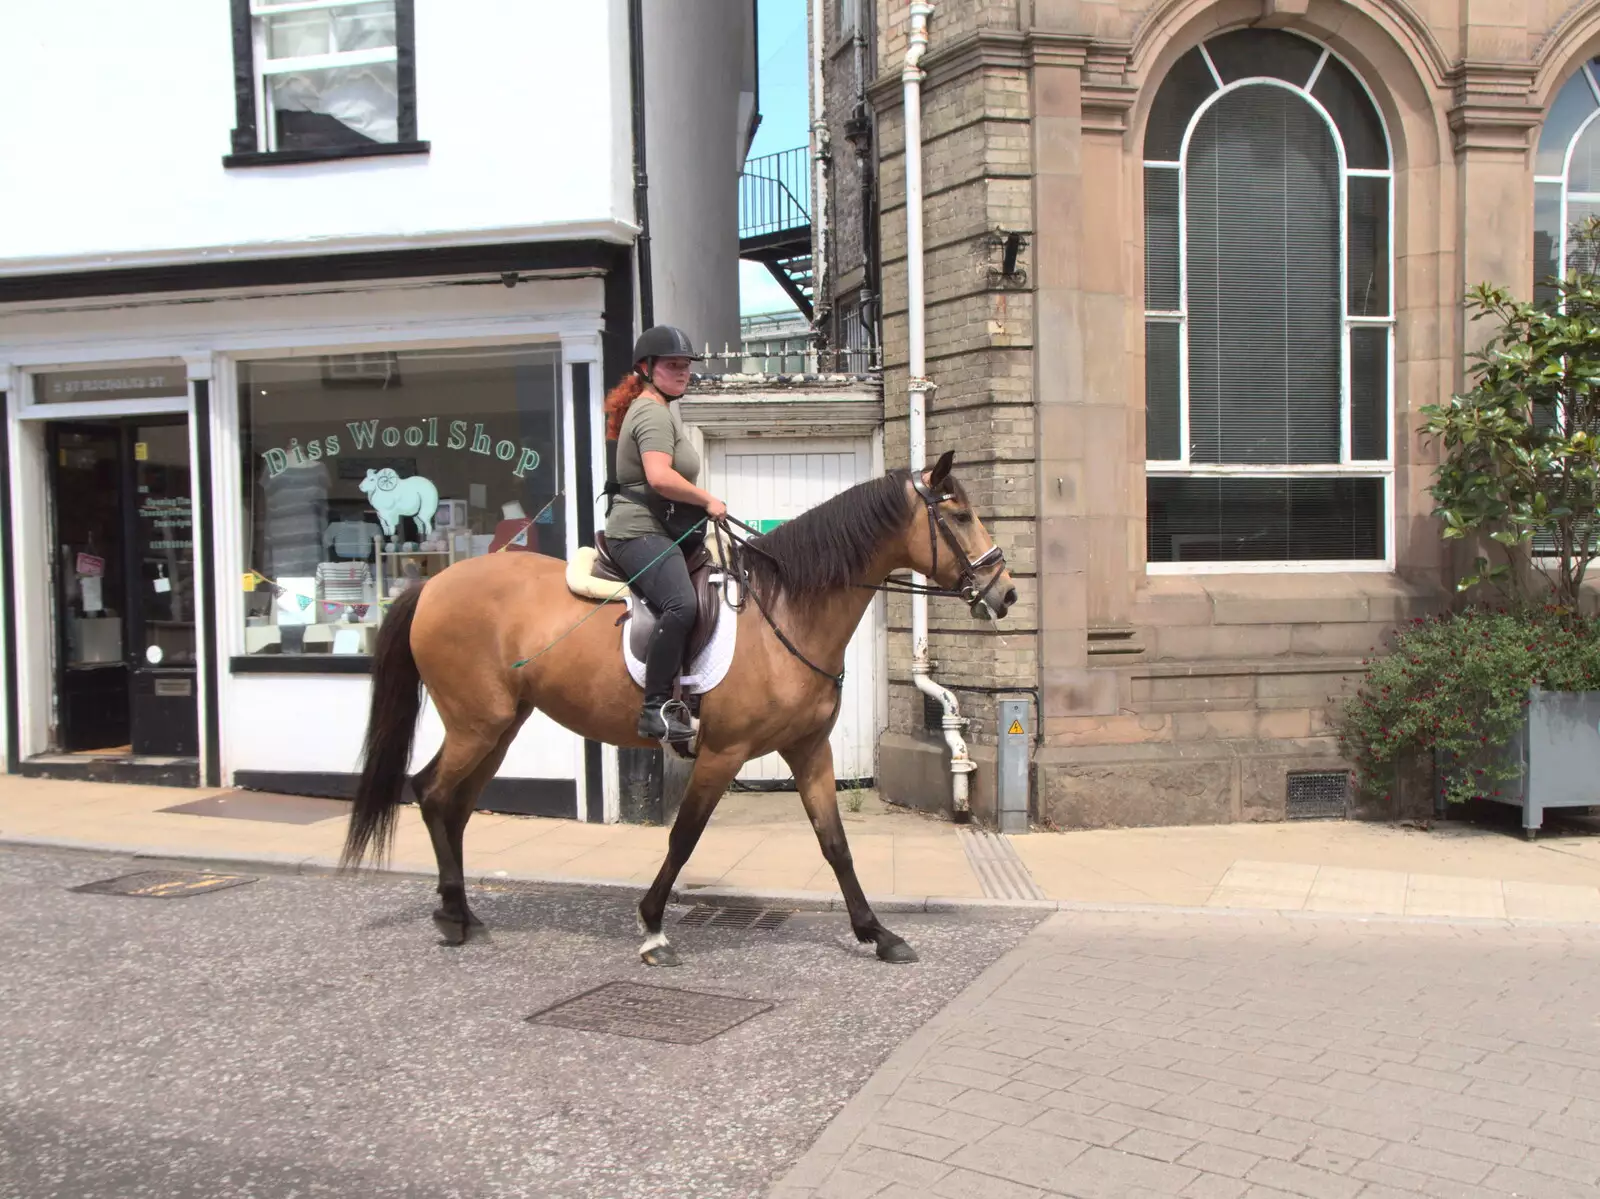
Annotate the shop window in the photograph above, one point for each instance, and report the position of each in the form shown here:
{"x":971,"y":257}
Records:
{"x":1268,"y":308}
{"x":323,"y":79}
{"x":367,"y":474}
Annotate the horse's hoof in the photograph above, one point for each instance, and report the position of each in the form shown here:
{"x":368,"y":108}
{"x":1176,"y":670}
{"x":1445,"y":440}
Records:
{"x":660,"y":955}
{"x":896,"y":951}
{"x":453,"y":929}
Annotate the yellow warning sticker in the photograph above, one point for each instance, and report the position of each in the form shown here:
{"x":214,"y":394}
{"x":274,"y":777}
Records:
{"x":141,"y":451}
{"x":1016,"y":727}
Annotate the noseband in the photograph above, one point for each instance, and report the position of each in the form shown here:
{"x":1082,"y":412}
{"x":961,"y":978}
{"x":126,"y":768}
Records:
{"x":967,"y":582}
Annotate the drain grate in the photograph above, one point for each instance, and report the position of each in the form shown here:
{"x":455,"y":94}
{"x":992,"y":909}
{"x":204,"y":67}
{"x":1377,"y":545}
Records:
{"x":734,"y":917}
{"x":651,"y":1013}
{"x":163,"y":884}
{"x":1317,"y":795}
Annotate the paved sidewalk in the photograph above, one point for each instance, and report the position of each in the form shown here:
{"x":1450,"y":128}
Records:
{"x":1211,"y":1056}
{"x":763,"y":842}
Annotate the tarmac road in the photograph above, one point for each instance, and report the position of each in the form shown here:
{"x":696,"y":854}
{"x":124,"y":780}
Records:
{"x":308,"y":1036}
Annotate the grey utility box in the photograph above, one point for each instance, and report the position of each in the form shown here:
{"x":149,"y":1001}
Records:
{"x":1011,"y":782}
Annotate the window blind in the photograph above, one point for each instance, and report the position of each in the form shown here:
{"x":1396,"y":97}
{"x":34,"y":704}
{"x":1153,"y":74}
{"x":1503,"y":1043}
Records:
{"x":1262,"y":196}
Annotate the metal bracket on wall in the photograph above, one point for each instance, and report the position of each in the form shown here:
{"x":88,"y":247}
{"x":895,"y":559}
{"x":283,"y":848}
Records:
{"x":1009,"y":244}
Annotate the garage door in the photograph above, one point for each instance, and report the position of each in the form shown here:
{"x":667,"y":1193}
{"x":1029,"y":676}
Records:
{"x":764,"y":484}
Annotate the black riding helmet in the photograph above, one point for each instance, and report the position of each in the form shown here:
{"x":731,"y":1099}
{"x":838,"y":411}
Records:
{"x":662,"y":341}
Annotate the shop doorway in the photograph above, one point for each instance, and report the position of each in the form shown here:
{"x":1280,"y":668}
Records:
{"x":122,"y":541}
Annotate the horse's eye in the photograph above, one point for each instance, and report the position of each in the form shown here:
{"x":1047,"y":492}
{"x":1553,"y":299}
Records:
{"x":963,"y":517}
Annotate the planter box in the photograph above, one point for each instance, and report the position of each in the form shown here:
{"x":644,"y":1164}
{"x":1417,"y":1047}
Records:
{"x":1556,"y":754}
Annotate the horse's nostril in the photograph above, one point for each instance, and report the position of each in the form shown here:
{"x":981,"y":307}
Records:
{"x":1011,"y":596}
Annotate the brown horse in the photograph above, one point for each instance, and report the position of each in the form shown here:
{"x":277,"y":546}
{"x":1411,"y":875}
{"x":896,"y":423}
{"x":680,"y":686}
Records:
{"x":467,"y":636}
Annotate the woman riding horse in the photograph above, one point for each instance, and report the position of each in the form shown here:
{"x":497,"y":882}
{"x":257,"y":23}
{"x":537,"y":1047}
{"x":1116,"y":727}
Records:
{"x":500,"y":636}
{"x":656,"y":469}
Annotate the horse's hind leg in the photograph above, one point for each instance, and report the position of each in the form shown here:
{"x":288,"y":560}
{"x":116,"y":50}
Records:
{"x":450,"y":786}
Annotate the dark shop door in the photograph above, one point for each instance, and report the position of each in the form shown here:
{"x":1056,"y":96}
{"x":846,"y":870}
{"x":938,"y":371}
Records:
{"x":124,"y":543}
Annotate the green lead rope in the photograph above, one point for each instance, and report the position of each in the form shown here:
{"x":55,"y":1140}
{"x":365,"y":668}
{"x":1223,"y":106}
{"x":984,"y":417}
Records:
{"x":520,"y":664}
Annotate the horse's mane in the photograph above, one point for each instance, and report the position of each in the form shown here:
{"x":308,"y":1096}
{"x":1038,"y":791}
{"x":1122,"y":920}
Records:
{"x":828,"y":547}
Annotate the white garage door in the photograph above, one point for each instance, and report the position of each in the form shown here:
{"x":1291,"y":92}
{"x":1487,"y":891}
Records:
{"x":765,"y":483}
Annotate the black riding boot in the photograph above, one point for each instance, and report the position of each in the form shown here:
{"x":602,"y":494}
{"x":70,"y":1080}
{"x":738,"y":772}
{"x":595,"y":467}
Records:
{"x":664,"y":719}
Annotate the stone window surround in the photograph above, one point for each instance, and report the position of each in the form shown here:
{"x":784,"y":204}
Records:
{"x":1383,"y":468}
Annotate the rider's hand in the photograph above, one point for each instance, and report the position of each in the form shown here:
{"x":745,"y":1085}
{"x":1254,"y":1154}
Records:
{"x":716,"y":509}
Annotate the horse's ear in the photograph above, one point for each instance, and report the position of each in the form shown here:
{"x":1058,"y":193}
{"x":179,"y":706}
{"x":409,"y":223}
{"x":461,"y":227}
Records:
{"x":941,"y":468}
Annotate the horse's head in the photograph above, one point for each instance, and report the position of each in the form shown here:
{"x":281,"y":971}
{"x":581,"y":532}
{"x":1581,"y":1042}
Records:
{"x":951,"y":546}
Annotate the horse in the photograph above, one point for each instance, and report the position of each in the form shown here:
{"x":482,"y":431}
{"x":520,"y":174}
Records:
{"x":467,"y":635}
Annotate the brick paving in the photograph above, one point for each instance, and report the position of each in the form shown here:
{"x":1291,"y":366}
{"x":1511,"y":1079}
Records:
{"x":1128,"y":1055}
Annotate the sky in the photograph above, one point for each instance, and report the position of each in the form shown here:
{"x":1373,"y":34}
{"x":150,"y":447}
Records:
{"x":785,"y":103}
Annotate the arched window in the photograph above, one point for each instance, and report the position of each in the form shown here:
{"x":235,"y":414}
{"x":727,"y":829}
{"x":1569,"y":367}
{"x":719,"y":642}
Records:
{"x":1566,"y":176}
{"x":1268,"y":310}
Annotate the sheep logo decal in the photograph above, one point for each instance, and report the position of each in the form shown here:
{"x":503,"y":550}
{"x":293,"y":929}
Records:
{"x":393,"y":497}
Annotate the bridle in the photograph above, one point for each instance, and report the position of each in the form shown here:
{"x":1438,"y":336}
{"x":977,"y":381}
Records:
{"x":967,"y":582}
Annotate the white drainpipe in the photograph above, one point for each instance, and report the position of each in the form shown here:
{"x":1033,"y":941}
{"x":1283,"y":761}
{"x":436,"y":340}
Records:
{"x":918,"y":388}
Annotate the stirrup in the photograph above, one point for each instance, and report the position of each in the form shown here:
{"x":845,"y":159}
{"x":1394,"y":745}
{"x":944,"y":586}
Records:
{"x":669,"y":721}
{"x":682,"y":729}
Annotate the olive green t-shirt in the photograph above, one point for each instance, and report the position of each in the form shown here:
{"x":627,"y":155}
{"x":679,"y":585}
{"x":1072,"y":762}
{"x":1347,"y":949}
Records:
{"x":649,"y":426}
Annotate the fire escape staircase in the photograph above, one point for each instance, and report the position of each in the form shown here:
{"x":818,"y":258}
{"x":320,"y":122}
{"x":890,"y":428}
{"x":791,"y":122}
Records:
{"x":775,"y":220}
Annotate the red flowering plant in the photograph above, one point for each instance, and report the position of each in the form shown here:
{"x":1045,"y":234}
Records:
{"x":1455,"y":687}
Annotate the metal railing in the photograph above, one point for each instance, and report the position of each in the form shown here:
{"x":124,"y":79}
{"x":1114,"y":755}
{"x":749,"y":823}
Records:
{"x":792,"y":355}
{"x":775,"y":193}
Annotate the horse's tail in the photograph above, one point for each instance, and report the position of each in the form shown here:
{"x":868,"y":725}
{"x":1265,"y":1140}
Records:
{"x":391,"y":729}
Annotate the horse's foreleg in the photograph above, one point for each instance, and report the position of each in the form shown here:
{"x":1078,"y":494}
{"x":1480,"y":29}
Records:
{"x":710,"y":779}
{"x":812,"y":763}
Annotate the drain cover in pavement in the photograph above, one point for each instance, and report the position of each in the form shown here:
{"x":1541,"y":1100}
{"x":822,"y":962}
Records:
{"x":651,"y":1013}
{"x":734,"y":917}
{"x":163,"y":884}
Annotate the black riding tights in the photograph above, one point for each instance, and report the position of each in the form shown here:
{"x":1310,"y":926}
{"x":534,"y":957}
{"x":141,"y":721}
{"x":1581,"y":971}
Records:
{"x":665,"y":585}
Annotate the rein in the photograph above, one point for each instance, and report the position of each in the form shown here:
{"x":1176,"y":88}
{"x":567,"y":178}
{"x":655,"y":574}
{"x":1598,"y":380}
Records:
{"x":731,"y":548}
{"x":731,"y":552}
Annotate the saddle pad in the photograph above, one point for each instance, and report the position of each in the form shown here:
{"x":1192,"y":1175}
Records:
{"x":582,"y":581}
{"x":706,"y":671}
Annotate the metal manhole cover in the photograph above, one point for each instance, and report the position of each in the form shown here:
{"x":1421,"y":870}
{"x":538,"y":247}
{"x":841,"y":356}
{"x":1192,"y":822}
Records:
{"x":651,"y":1013}
{"x":163,"y":884}
{"x":735,"y":917}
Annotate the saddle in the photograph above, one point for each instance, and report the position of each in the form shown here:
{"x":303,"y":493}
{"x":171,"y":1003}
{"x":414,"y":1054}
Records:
{"x":592,"y":574}
{"x":705,"y":576}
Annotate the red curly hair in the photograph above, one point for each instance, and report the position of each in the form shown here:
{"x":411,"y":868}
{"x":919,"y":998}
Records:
{"x":618,"y":400}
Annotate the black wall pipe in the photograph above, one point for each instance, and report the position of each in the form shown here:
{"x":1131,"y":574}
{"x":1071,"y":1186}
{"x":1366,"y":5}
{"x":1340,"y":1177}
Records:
{"x":641,"y":178}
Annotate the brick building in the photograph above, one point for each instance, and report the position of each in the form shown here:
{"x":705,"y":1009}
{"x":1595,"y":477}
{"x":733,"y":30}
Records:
{"x":1238,"y":234}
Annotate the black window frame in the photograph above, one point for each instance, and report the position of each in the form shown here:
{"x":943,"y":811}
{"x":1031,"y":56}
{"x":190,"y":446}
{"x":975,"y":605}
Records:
{"x":246,"y":131}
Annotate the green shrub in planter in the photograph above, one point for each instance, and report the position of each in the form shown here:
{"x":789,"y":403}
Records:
{"x":1521,"y":455}
{"x":1456,"y":687}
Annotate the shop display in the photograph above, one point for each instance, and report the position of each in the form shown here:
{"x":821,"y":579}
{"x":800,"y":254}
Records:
{"x":359,"y":493}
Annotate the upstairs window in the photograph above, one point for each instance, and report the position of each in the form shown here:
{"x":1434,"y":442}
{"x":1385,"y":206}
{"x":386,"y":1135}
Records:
{"x":1268,"y":311}
{"x":323,"y":79}
{"x":1566,"y":178}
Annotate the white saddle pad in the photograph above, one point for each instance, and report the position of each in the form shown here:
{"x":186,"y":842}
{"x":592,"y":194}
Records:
{"x":706,"y":671}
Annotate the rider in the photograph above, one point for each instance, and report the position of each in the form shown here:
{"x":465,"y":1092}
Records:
{"x":656,"y":457}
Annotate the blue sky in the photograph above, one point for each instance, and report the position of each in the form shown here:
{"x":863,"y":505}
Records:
{"x":785,"y":103}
